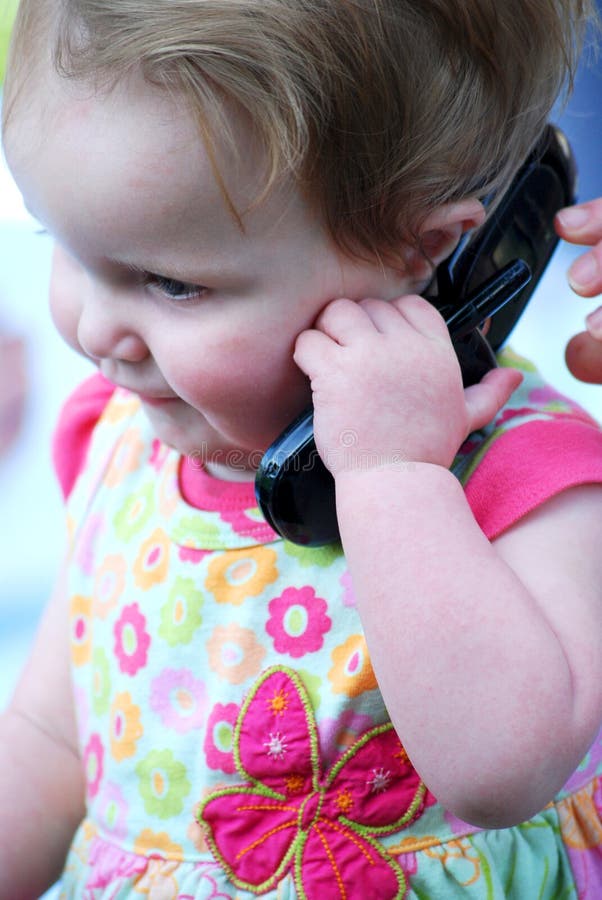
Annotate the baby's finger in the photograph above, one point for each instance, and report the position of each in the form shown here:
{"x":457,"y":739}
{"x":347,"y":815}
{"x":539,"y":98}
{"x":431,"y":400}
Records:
{"x":342,"y":320}
{"x":312,"y":348}
{"x":383,"y":314}
{"x":421,"y":315}
{"x":485,"y":399}
{"x":585,"y":274}
{"x":583,"y":356}
{"x":581,"y":224}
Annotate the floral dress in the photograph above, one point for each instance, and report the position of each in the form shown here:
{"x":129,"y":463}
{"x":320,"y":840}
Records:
{"x":233,"y":736}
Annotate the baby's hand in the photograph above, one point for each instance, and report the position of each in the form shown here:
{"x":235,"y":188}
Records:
{"x":583,"y":225}
{"x":387,"y":386}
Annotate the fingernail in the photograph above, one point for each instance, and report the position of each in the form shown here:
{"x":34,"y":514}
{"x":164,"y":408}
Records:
{"x":573,"y":217}
{"x":594,"y":324}
{"x":583,"y":271}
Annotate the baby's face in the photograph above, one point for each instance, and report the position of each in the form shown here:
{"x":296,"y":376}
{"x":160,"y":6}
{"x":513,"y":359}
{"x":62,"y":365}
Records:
{"x":155,"y":281}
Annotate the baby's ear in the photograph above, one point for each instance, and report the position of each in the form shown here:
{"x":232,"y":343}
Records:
{"x":442,"y":229}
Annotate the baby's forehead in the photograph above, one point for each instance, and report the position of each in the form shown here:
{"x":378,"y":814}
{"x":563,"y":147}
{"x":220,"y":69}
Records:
{"x":135,"y":161}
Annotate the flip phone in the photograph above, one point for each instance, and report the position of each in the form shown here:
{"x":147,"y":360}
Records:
{"x":489,"y":276}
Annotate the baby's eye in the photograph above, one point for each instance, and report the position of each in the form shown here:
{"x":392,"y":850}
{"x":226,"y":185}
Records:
{"x":180,"y":291}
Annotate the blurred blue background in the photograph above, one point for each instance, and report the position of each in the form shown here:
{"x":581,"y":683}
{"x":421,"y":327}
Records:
{"x":31,"y":521}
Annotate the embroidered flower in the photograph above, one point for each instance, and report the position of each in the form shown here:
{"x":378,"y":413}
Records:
{"x":112,"y":810}
{"x":237,"y":574}
{"x":151,"y":564}
{"x":162,"y":784}
{"x":93,"y":764}
{"x":131,"y":640}
{"x":352,"y":672}
{"x":81,"y":636}
{"x":179,"y":699}
{"x":293,"y":818}
{"x":234,"y":653}
{"x":101,"y":682}
{"x":125,"y":726}
{"x":181,"y":614}
{"x":338,"y":734}
{"x":109,"y":583}
{"x":126,"y":458}
{"x":298,"y":621}
{"x":219,"y":737}
{"x":134,"y":513}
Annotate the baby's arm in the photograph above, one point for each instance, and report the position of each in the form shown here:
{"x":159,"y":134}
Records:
{"x":41,"y":780}
{"x":583,"y":225}
{"x":488,"y":655}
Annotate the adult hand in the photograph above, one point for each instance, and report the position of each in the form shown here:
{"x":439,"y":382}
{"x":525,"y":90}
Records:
{"x":583,"y":225}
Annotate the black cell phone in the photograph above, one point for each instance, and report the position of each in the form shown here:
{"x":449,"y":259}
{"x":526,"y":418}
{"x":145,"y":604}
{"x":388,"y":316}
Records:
{"x":489,"y":276}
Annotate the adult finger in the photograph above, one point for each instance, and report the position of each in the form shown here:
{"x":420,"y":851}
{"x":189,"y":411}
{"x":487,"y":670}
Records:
{"x":583,"y":357}
{"x":581,"y":224}
{"x":585,"y":274}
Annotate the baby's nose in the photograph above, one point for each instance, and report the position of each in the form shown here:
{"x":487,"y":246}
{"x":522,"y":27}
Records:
{"x":103,"y":333}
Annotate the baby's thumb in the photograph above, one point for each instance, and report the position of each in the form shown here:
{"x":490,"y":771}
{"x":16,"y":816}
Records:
{"x":484,"y":400}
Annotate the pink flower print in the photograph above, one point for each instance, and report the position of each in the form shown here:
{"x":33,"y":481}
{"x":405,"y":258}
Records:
{"x":347,"y":585}
{"x":93,"y":764}
{"x":192,"y":555}
{"x":131,"y":640}
{"x":111,"y":867}
{"x":159,"y":453}
{"x":298,"y":621}
{"x":290,"y":817}
{"x":507,"y":414}
{"x":219,"y":738}
{"x":179,"y":699}
{"x":112,"y":810}
{"x":86,"y":546}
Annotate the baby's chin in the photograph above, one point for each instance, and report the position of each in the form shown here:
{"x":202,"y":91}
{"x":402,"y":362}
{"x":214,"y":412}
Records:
{"x":186,"y":430}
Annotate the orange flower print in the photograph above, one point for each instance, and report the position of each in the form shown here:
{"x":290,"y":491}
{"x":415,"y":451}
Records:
{"x":123,"y":405}
{"x":109,"y":583}
{"x":153,"y":843}
{"x":352,"y":672}
{"x":159,"y":880}
{"x":81,"y":635}
{"x":151,"y":564}
{"x":238,"y":574}
{"x":235,"y":653}
{"x":169,"y":489}
{"x":125,"y":726}
{"x":126,"y":458}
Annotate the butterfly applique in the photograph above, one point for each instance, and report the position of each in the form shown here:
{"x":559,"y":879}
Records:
{"x":292,"y":817}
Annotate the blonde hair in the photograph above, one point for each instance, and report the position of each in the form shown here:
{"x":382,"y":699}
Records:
{"x":381,"y":109}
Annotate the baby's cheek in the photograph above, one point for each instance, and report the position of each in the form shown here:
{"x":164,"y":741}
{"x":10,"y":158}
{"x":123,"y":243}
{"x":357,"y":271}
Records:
{"x":64,"y":298}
